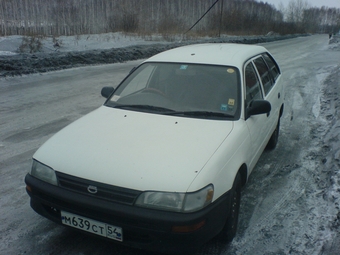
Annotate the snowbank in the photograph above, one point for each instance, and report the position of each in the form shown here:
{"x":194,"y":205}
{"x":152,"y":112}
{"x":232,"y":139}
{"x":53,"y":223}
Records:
{"x":74,"y":51}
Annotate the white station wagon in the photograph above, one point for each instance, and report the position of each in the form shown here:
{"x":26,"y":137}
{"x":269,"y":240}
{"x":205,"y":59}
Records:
{"x":161,"y":164}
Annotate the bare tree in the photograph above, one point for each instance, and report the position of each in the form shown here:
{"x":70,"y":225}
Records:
{"x":295,"y":10}
{"x":75,"y":17}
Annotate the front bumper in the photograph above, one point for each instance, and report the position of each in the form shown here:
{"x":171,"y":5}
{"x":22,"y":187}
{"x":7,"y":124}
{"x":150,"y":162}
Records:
{"x":143,"y":228}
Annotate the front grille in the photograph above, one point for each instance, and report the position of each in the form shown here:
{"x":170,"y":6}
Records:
{"x":104,"y":191}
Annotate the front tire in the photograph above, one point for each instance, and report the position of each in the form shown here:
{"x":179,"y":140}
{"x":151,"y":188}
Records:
{"x":230,"y":228}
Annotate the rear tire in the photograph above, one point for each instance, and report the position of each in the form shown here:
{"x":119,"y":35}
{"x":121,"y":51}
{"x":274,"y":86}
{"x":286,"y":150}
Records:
{"x":230,"y":228}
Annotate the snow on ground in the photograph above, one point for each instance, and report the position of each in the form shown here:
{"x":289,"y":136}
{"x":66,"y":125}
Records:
{"x":290,"y":205}
{"x":11,"y":44}
{"x":101,"y":41}
{"x":81,"y":50}
{"x":105,"y":41}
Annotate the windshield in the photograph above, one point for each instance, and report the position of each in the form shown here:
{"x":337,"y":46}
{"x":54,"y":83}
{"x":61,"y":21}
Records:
{"x":194,"y":90}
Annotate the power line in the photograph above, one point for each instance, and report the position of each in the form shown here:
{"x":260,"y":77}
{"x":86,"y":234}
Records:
{"x":201,"y":17}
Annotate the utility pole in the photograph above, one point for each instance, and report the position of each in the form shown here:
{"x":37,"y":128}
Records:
{"x":221,"y":16}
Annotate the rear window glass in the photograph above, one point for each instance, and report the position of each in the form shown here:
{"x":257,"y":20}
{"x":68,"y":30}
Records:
{"x":264,"y":73}
{"x":253,"y":88}
{"x":273,"y":67}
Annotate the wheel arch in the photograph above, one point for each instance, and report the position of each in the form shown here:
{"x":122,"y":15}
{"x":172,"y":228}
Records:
{"x":281,"y":110}
{"x":243,"y":170}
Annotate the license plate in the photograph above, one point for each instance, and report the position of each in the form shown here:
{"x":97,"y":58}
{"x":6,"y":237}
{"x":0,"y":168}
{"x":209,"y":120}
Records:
{"x":92,"y":226}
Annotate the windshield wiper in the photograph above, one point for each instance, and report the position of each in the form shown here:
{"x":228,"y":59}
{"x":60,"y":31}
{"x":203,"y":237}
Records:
{"x":166,"y":111}
{"x":144,"y":108}
{"x":202,"y":114}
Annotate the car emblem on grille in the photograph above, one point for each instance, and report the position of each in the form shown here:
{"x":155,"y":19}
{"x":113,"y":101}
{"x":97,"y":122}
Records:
{"x":92,"y":189}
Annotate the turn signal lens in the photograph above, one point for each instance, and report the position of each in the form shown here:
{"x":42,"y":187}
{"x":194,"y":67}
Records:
{"x":28,"y":188}
{"x":189,"y":228}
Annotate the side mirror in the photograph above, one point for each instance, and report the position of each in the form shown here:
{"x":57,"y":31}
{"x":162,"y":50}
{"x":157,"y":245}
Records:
{"x":257,"y":107}
{"x":107,"y":91}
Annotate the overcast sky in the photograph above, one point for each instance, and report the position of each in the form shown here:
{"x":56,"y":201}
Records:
{"x":313,"y":3}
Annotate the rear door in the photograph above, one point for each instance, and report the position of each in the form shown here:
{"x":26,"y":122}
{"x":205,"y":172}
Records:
{"x":269,"y":74}
{"x":262,"y":76}
{"x":255,"y":123}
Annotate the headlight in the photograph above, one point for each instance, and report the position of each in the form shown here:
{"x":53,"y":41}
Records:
{"x":43,"y":173}
{"x":174,"y":201}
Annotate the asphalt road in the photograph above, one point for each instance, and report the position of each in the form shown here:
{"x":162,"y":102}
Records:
{"x":290,"y":205}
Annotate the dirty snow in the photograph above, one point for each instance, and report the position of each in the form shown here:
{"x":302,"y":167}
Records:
{"x":82,"y":50}
{"x":79,"y":42}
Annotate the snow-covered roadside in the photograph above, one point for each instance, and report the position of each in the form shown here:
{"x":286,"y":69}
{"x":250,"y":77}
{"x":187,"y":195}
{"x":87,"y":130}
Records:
{"x":330,"y":146}
{"x":7,"y":53}
{"x":78,"y":42}
{"x":330,"y":116}
{"x":327,"y":177}
{"x":74,"y":51}
{"x":110,"y":40}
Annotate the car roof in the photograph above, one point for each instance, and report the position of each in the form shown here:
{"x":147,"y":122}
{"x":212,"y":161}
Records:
{"x":210,"y":53}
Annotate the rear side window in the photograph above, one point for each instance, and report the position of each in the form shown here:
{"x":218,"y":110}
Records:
{"x":253,"y":88}
{"x":273,"y":67}
{"x":262,"y":68}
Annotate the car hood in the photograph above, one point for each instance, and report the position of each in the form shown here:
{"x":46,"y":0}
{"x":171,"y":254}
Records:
{"x":135,"y":150}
